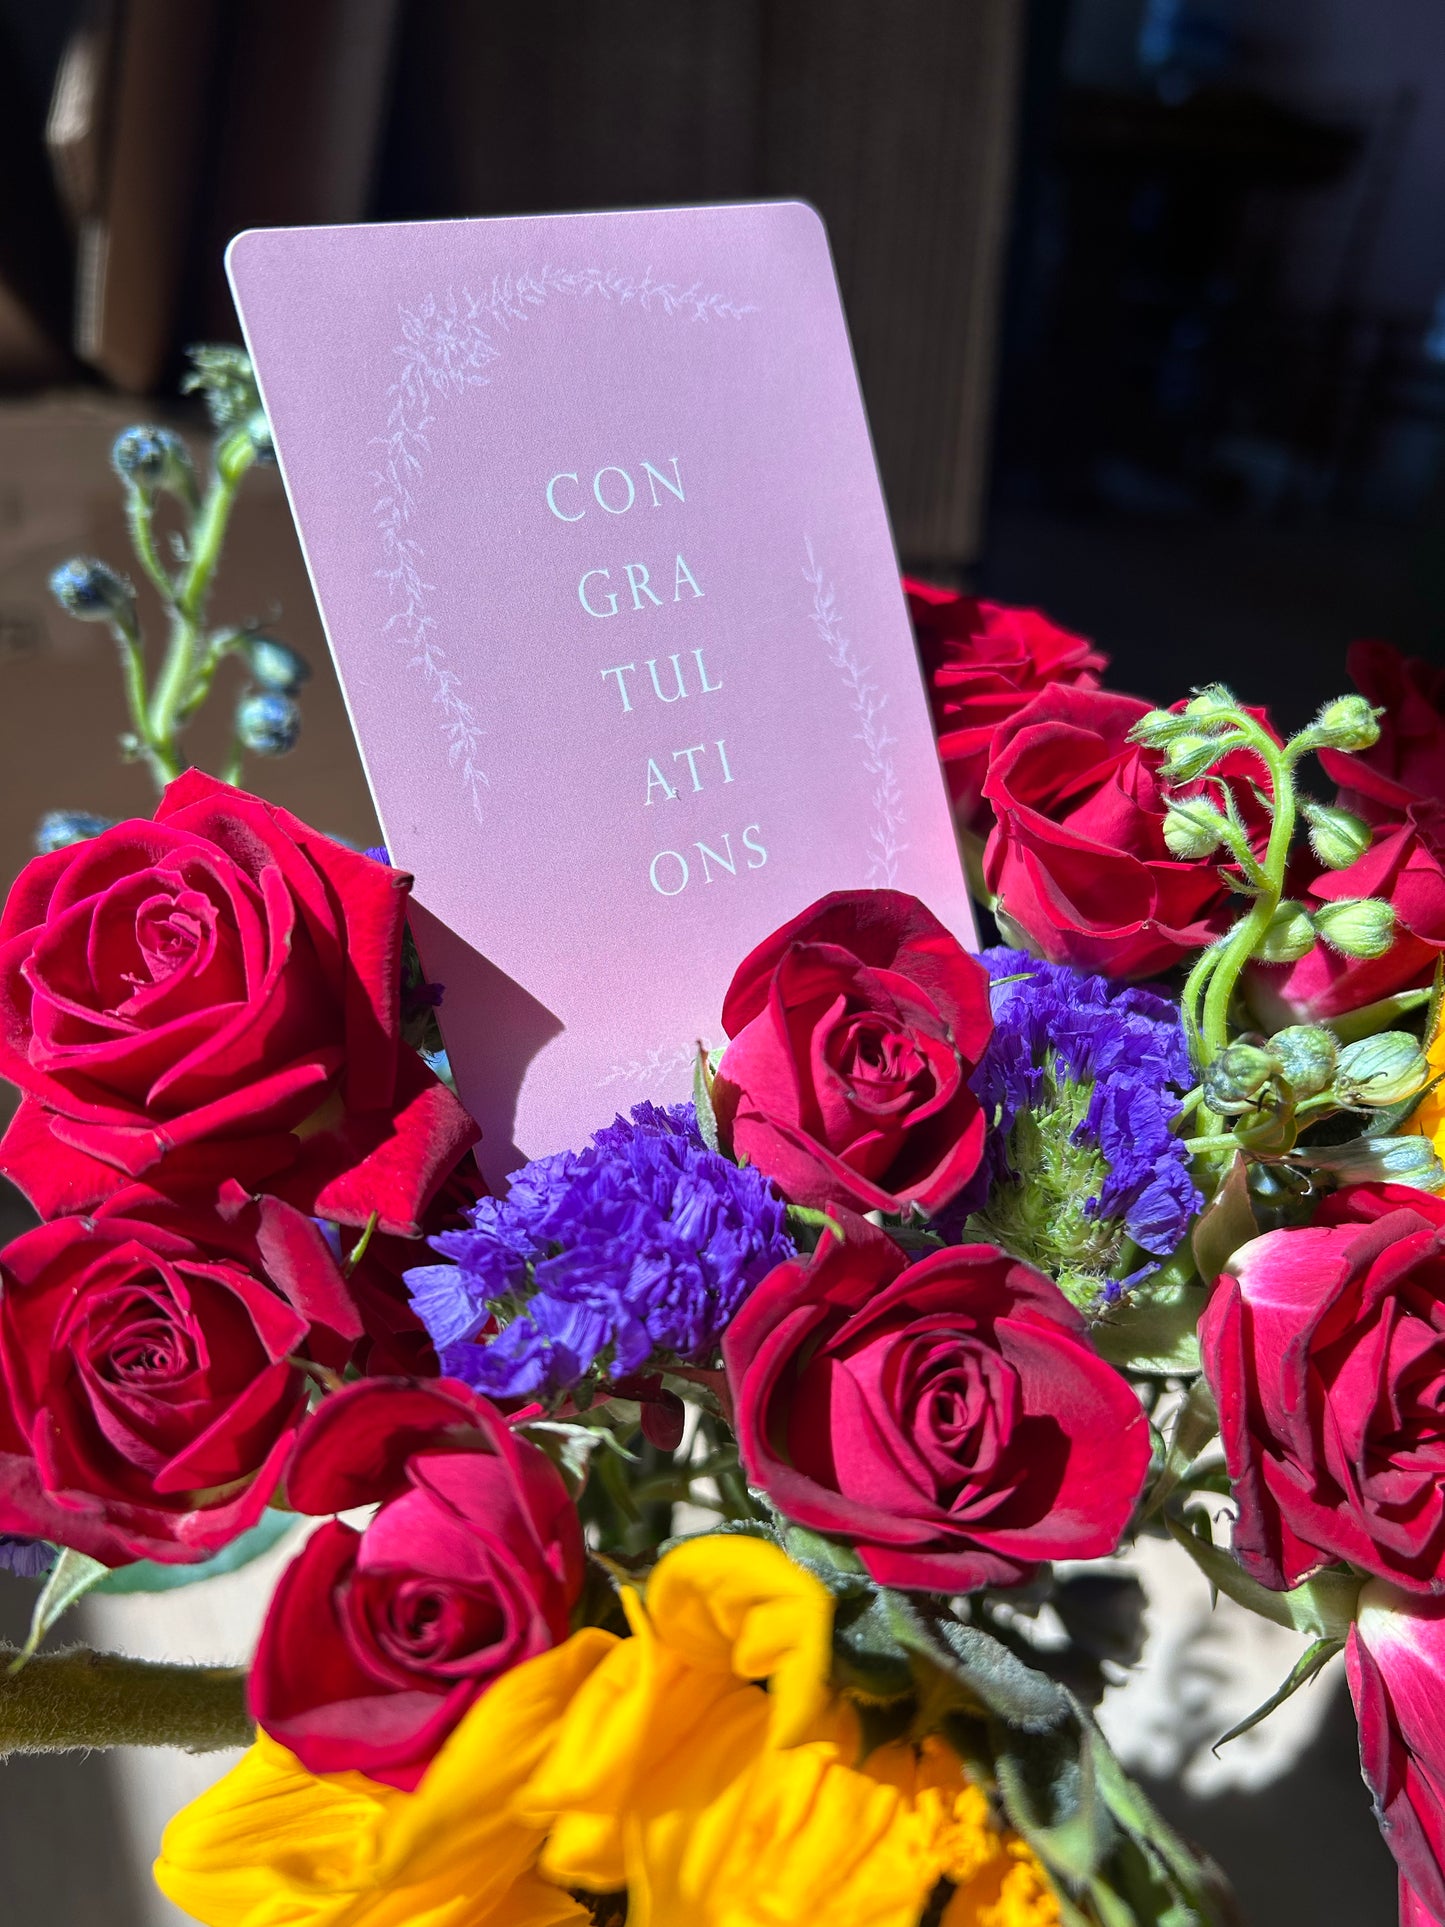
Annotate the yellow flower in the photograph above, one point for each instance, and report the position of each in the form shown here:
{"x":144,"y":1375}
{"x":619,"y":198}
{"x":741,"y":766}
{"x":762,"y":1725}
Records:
{"x":272,"y":1845}
{"x":704,"y":1764}
{"x":1429,"y":1118}
{"x":722,"y":1806}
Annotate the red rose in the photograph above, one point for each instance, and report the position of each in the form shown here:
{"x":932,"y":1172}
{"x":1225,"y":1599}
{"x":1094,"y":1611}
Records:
{"x":950,"y":1420}
{"x":1077,"y":858}
{"x":376,"y":1642}
{"x":216,"y":993}
{"x":855,"y":1029}
{"x":1325,"y":1350}
{"x":1406,"y":866}
{"x":983,"y":662}
{"x":1395,"y":1661}
{"x":1407,"y":765}
{"x":149,"y":1356}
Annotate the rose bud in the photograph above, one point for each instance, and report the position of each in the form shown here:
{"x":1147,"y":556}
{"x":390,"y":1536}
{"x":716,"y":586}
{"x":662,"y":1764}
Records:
{"x":855,"y":1030}
{"x":949,"y":1419}
{"x":377,"y":1642}
{"x":1395,"y":1662}
{"x":215,"y":995}
{"x":1324,"y":1347}
{"x":982,"y":663}
{"x":152,"y":1361}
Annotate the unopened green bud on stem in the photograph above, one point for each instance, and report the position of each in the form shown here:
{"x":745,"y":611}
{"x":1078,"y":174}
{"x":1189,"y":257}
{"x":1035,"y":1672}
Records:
{"x":1356,"y":926}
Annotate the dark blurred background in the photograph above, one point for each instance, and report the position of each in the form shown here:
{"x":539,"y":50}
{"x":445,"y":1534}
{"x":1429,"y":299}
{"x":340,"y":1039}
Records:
{"x":1148,"y":298}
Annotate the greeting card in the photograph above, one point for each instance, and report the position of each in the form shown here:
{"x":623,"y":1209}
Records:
{"x":594,"y":523}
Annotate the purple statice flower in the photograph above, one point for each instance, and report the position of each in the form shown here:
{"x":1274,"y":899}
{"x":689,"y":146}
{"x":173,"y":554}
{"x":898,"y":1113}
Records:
{"x":27,"y":1558}
{"x":1081,"y":1081}
{"x":634,"y":1252}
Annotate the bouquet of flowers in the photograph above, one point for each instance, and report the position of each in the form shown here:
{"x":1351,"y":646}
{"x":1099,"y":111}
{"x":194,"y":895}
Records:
{"x":682,"y":1521}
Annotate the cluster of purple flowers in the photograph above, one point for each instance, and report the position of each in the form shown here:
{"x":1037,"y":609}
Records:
{"x":634,"y":1252}
{"x":1107,"y":1066}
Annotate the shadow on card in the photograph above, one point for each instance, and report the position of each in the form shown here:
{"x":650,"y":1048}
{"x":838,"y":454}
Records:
{"x":493,"y":1030}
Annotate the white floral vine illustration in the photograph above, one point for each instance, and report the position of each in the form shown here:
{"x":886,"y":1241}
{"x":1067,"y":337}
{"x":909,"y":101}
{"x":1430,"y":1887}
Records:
{"x":661,"y":1061}
{"x":448,"y":345}
{"x":869,"y":702}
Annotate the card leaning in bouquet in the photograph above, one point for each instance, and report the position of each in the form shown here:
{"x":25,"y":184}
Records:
{"x":703,"y":1519}
{"x":596,"y":532}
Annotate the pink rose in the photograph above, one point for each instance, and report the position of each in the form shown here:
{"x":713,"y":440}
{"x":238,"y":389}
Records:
{"x":1395,"y":1661}
{"x":1324,"y":1347}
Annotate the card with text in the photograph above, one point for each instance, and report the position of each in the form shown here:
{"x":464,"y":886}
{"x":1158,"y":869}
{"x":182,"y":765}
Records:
{"x":594,"y":523}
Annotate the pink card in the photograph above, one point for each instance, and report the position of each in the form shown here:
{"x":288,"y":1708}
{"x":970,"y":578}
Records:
{"x":593,"y":520}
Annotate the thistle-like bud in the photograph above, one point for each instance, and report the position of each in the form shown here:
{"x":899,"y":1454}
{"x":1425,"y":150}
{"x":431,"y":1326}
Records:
{"x":1356,"y":926}
{"x":153,"y":458}
{"x":1193,"y":827}
{"x":1289,"y":937}
{"x":91,"y":591}
{"x":1381,"y":1070}
{"x":1337,"y":837}
{"x":1349,"y":722}
{"x":276,"y":665}
{"x":1307,"y":1055}
{"x":1241,"y":1075}
{"x":58,"y":829}
{"x":268,"y":722}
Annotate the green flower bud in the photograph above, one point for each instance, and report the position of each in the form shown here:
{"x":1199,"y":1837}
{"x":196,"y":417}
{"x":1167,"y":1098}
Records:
{"x":276,"y":665}
{"x":1307,"y":1055}
{"x":1188,"y":757}
{"x":91,"y":591}
{"x":224,"y":378}
{"x":1236,"y":1080}
{"x":1210,"y":699}
{"x":1381,"y":1070}
{"x":1337,"y":838}
{"x":58,"y":829}
{"x":1160,"y":727}
{"x":1289,"y":937}
{"x":1193,"y":827}
{"x":1356,"y":926}
{"x":153,"y":458}
{"x":268,"y":723}
{"x":1349,"y":722}
{"x":1381,"y":1160}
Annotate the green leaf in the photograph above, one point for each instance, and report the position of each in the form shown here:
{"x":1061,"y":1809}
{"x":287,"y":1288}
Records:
{"x":1310,"y":1662}
{"x":1051,"y":1796}
{"x":1323,"y":1606}
{"x":1154,"y":1330}
{"x":986,"y":1677}
{"x":72,"y":1576}
{"x":1226,"y":1224}
{"x":147,"y":1575}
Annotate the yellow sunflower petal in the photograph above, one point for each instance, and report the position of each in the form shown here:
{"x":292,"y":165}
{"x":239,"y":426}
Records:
{"x":729,"y":1603}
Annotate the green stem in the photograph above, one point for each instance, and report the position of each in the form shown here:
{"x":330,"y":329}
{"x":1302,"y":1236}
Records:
{"x":1192,"y":998}
{"x":208,"y":532}
{"x":73,"y":1701}
{"x":133,"y":676}
{"x":1249,"y":932}
{"x":139,"y":510}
